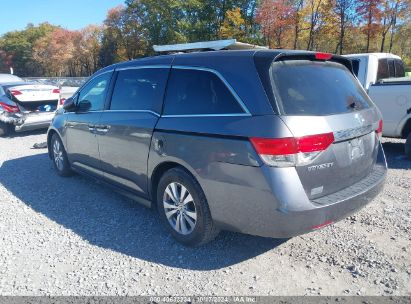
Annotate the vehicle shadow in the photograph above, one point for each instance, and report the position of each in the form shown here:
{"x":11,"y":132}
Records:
{"x":106,"y":219}
{"x":394,"y":152}
{"x":27,"y":133}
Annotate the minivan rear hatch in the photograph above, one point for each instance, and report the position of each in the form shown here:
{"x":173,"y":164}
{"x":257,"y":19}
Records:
{"x":318,"y":98}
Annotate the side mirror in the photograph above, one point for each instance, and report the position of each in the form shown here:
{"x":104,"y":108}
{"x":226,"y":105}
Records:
{"x":83,"y":106}
{"x":69,"y":104}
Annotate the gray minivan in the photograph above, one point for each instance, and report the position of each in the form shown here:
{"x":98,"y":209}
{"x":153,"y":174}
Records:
{"x":266,"y":142}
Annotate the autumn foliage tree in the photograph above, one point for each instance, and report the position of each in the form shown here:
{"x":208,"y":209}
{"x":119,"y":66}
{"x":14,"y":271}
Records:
{"x":87,"y":48}
{"x":276,"y":17}
{"x":17,"y":48}
{"x":369,"y":12}
{"x":56,"y":52}
{"x":345,"y":11}
{"x":233,"y":25}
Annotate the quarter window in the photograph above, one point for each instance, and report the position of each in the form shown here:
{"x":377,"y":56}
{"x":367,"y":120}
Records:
{"x":391,"y":65}
{"x":383,"y":70}
{"x":139,"y":89}
{"x":198,"y":92}
{"x":399,"y":68}
{"x":95,"y":92}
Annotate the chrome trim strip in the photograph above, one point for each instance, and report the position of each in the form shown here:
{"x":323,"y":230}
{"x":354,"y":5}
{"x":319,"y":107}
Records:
{"x":207,"y":115}
{"x":133,"y":111}
{"x":144,"y":67}
{"x":108,"y":71}
{"x":352,"y":133}
{"x":229,"y":87}
{"x":121,"y":111}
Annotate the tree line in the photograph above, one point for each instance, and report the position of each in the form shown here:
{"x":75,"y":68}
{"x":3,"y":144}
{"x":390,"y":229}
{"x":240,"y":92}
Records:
{"x":130,"y":30}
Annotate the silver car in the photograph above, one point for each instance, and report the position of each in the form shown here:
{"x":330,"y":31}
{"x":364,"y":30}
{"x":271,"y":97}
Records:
{"x":26,"y":105}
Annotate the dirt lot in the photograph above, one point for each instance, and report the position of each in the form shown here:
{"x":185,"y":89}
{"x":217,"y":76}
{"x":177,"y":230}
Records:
{"x":75,"y":237}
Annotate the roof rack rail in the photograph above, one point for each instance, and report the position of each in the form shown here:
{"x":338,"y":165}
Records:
{"x":230,"y":44}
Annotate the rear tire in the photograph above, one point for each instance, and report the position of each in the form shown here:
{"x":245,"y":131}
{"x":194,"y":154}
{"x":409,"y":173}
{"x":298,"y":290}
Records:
{"x":408,"y":147}
{"x":5,"y":129}
{"x":183,"y":208}
{"x":59,"y":157}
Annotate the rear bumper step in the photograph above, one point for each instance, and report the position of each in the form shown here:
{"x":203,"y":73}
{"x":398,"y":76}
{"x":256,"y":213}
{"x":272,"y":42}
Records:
{"x":362,"y":186}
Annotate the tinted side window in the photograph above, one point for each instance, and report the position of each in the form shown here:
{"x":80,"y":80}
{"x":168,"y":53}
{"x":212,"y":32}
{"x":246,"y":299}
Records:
{"x":356,"y":66}
{"x":196,"y":92}
{"x":95,"y":91}
{"x":139,"y":89}
{"x":399,"y":68}
{"x":383,"y":71}
{"x":391,"y":66}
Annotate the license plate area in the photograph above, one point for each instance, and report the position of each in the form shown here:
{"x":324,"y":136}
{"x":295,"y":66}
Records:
{"x":51,"y":107}
{"x":356,"y":148}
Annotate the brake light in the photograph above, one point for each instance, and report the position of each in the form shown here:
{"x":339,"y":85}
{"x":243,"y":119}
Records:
{"x":379,"y":130}
{"x":275,"y":146}
{"x":62,"y":101}
{"x":323,"y":56}
{"x":9,"y":108}
{"x":315,"y":143}
{"x":56,"y":91}
{"x":15,"y":92}
{"x":291,"y":151}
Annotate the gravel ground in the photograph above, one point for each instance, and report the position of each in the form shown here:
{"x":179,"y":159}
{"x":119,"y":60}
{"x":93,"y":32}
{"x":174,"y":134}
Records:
{"x":75,"y":237}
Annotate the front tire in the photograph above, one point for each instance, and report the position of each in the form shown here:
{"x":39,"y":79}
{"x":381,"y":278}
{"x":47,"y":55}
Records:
{"x":59,"y":157}
{"x":183,"y":208}
{"x":5,"y":129}
{"x":408,"y":147}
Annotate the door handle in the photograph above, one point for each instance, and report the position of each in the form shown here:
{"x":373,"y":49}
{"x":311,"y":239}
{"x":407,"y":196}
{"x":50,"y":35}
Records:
{"x":102,"y":128}
{"x":91,"y":128}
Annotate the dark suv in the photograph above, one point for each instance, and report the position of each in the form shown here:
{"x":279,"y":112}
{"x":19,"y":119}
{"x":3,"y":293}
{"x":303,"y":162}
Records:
{"x":270,"y":143}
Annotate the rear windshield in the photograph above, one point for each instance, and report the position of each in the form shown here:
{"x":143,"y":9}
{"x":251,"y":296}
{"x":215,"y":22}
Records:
{"x":304,"y":87}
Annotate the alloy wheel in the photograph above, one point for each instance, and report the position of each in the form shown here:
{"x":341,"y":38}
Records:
{"x":179,"y":208}
{"x":58,"y":155}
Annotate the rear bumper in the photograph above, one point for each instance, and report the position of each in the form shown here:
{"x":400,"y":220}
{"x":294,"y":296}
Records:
{"x":274,"y":204}
{"x":328,"y":209}
{"x":29,"y":121}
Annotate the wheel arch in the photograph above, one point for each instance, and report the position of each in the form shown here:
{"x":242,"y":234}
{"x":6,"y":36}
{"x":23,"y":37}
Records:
{"x":406,"y":129}
{"x":50,"y":134}
{"x":159,"y":171}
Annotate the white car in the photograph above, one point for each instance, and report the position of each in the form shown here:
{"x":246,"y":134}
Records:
{"x":382,"y":75}
{"x":26,"y":105}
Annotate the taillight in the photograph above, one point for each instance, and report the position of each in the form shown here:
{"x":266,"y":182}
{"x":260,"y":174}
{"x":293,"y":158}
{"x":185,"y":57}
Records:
{"x":379,"y":130}
{"x":291,"y":151}
{"x":56,"y":91}
{"x":15,"y":92}
{"x":62,"y":101}
{"x":9,"y":108}
{"x":323,"y":56}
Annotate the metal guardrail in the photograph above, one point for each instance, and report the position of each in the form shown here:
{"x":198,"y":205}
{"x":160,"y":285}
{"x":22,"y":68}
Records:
{"x":68,"y":85}
{"x":59,"y":81}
